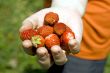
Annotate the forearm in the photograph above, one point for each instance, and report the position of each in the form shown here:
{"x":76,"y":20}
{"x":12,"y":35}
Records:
{"x":75,"y":5}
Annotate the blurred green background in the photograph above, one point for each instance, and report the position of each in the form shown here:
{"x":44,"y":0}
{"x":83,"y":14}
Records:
{"x":12,"y":57}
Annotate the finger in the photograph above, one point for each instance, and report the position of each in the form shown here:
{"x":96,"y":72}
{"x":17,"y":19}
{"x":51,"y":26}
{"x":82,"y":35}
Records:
{"x":59,"y":55}
{"x":44,"y":57}
{"x":74,"y":46}
{"x":27,"y":46}
{"x":26,"y":25}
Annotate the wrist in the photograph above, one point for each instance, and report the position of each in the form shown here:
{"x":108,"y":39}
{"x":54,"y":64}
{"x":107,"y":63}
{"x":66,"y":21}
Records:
{"x":74,"y":5}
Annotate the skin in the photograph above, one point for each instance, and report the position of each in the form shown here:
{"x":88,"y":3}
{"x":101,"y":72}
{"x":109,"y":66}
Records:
{"x":70,"y":12}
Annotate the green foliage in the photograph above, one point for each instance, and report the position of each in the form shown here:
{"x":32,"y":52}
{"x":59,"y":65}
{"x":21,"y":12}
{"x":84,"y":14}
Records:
{"x":12,"y":57}
{"x":107,"y":67}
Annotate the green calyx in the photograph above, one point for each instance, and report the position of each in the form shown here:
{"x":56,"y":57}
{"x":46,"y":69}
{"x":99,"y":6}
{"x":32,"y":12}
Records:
{"x":36,"y":40}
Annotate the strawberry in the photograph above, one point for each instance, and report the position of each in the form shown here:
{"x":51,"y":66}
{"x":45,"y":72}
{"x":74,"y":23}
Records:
{"x":51,"y":18}
{"x":52,"y":40}
{"x":68,"y":29}
{"x":38,"y":41}
{"x":59,"y":28}
{"x":27,"y":34}
{"x":66,"y":36}
{"x":45,"y":30}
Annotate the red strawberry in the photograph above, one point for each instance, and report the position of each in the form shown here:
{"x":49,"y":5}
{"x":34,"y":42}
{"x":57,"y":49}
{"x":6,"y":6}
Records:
{"x":67,"y":35}
{"x":51,"y":18}
{"x":52,"y":40}
{"x":38,"y":41}
{"x":27,"y":34}
{"x":45,"y":30}
{"x":59,"y":28}
{"x":68,"y":29}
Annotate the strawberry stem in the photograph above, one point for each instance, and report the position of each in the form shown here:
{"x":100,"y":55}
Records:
{"x":36,"y":40}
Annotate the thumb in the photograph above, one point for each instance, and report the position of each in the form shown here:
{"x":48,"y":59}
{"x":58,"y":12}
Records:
{"x":29,"y":23}
{"x":26,"y":25}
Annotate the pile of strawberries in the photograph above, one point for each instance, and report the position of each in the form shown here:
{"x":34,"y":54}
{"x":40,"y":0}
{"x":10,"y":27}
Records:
{"x":50,"y":34}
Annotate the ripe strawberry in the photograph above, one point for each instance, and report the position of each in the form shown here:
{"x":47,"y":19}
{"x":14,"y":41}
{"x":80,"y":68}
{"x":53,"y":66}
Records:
{"x":66,"y":36}
{"x":65,"y":47}
{"x":59,"y":28}
{"x":52,"y":40}
{"x":38,"y":41}
{"x":68,"y":29}
{"x":27,"y":34}
{"x":51,"y":18}
{"x":45,"y":30}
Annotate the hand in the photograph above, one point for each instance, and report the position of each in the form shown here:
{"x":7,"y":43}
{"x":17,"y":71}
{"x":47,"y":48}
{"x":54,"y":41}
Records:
{"x":70,"y":18}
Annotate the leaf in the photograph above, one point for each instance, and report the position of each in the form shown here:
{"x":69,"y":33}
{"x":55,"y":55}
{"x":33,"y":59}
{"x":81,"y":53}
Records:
{"x":36,"y":40}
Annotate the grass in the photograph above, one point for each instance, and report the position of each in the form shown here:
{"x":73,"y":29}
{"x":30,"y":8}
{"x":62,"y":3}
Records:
{"x":12,"y":57}
{"x":12,"y":13}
